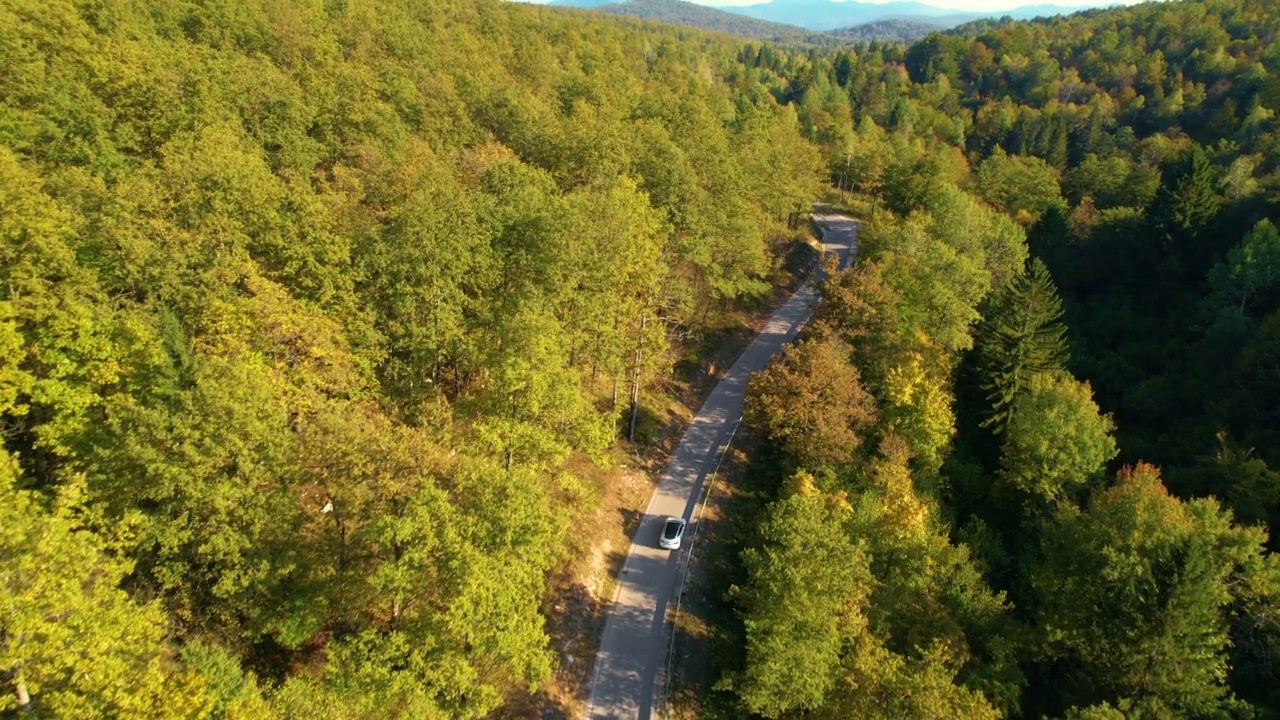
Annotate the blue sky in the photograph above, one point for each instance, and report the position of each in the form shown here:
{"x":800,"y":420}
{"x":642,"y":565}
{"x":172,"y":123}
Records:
{"x":969,"y":5}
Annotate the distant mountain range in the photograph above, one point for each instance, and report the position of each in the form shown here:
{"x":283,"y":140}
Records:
{"x":686,"y":13}
{"x":896,"y":30}
{"x":824,"y":15}
{"x":829,"y":15}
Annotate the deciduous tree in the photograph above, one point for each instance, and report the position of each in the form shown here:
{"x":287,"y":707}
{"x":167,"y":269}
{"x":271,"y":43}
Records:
{"x":1134,"y":593}
{"x":72,"y":643}
{"x":811,"y":402}
{"x":1057,"y":439}
{"x":803,"y":602}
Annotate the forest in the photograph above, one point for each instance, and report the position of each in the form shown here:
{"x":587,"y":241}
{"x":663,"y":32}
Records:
{"x":1024,"y":463}
{"x":312,"y":312}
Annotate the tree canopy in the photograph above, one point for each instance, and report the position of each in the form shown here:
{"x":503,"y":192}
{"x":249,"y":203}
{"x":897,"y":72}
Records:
{"x":309,"y":314}
{"x":1065,"y":312}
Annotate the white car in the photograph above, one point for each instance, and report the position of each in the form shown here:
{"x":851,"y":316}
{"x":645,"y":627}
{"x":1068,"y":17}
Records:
{"x":672,"y":534}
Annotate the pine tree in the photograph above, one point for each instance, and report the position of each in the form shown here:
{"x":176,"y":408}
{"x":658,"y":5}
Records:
{"x":1056,"y":152}
{"x":1188,"y":198}
{"x":1021,"y":336}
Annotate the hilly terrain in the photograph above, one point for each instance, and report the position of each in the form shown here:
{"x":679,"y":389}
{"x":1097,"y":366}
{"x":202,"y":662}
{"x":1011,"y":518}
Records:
{"x":891,"y":30}
{"x":679,"y":12}
{"x":830,"y":15}
{"x":824,"y":15}
{"x":340,"y":344}
{"x":1024,"y":461}
{"x":324,"y":327}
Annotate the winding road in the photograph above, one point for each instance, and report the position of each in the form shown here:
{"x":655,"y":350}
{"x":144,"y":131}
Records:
{"x":632,"y":648}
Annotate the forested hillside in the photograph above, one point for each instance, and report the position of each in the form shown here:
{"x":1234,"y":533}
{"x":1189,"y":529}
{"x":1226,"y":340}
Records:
{"x":314,"y":314}
{"x":898,"y":30}
{"x":1025,"y":463}
{"x":308,"y":311}
{"x":679,"y":12}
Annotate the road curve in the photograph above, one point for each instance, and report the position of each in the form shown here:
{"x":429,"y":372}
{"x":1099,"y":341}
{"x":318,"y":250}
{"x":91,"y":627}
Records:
{"x":632,"y":647}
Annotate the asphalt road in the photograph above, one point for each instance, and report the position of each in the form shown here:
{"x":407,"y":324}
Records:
{"x":631,"y":654}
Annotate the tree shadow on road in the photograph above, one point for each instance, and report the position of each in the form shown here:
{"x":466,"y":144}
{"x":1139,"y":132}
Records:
{"x":711,"y":636}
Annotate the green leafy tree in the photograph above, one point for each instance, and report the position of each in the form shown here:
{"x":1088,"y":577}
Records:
{"x":1255,"y":627}
{"x":62,"y":323}
{"x":196,"y":486}
{"x":317,"y":312}
{"x":807,"y":583}
{"x":423,"y":277}
{"x":909,"y":180}
{"x":930,"y":606}
{"x":1024,"y":187}
{"x":1057,"y":439}
{"x":782,"y":172}
{"x":1112,"y":181}
{"x":939,"y":285}
{"x":1101,"y":711}
{"x":1133,"y":595}
{"x":439,"y":560}
{"x":918,"y":406}
{"x":72,"y":643}
{"x":882,"y":685}
{"x":233,"y":694}
{"x":618,"y":301}
{"x":863,"y":163}
{"x":963,"y":222}
{"x":937,"y":54}
{"x":1250,"y":268}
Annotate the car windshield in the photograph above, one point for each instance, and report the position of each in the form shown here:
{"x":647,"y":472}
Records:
{"x":672,"y":529}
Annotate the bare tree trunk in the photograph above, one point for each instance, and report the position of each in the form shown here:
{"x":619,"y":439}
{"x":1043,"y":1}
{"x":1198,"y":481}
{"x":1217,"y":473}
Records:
{"x":635,"y":406}
{"x":20,"y":689}
{"x":635,"y":380}
{"x":613,"y":408}
{"x":345,"y":553}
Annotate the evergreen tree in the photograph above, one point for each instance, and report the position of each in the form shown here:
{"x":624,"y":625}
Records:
{"x":1021,"y":336}
{"x":1187,"y":201}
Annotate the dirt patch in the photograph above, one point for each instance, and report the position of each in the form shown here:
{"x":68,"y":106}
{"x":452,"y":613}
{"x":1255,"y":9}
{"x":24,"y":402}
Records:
{"x":582,"y":589}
